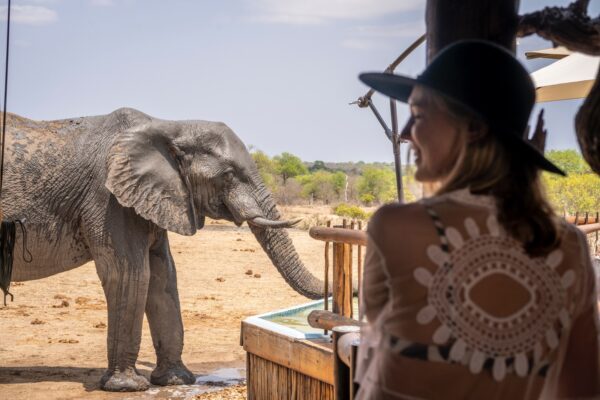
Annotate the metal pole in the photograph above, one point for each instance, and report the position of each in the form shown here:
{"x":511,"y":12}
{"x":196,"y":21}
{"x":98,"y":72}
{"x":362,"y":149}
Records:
{"x":396,"y":149}
{"x":386,"y":130}
{"x":392,"y":134}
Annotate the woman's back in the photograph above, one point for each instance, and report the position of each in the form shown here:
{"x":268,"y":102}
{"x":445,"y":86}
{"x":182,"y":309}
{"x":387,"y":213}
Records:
{"x":459,"y":310}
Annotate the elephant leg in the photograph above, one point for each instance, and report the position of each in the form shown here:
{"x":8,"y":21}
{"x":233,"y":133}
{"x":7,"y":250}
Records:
{"x":164,"y":317}
{"x":125,"y":283}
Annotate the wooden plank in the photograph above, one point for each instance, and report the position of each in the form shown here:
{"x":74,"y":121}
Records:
{"x":338,"y":235}
{"x":305,"y":356}
{"x":589,"y":228}
{"x":328,"y":320}
{"x":270,"y":381}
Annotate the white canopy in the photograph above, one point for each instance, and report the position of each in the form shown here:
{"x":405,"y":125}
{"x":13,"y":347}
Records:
{"x":571,"y":77}
{"x":554,"y":52}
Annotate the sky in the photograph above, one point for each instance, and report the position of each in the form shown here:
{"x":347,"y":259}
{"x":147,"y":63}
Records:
{"x":280,"y":73}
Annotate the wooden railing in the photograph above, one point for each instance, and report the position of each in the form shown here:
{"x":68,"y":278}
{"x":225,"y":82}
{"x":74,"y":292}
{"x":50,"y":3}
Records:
{"x":344,"y":237}
{"x":345,"y":334}
{"x":583,"y":218}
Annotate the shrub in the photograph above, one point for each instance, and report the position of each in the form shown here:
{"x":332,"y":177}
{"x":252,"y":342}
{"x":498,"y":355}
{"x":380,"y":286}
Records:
{"x":347,"y":210}
{"x":367,"y":198}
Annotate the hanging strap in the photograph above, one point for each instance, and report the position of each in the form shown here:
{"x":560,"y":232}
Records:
{"x":439,"y":227}
{"x":8,"y":230}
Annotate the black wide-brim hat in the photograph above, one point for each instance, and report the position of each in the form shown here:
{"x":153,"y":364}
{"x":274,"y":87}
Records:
{"x":484,"y":78}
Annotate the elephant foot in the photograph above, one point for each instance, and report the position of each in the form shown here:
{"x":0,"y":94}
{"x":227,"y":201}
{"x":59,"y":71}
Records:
{"x":128,"y":380}
{"x":172,"y":374}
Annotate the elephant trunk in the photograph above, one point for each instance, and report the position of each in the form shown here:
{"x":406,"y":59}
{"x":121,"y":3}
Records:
{"x":278,"y":246}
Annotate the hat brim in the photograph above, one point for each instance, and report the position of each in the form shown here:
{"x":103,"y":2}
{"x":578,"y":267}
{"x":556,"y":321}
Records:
{"x":400,"y":87}
{"x":532,"y":154}
{"x":395,"y":86}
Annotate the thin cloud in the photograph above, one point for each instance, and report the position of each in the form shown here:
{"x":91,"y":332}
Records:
{"x":378,"y":36}
{"x":359,"y":44}
{"x":30,"y":15}
{"x":412,"y":29}
{"x":102,"y":3}
{"x":25,"y":2}
{"x":304,"y":12}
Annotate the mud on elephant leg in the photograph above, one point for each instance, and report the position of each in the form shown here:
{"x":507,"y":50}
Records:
{"x":125,"y":287}
{"x":164,"y":317}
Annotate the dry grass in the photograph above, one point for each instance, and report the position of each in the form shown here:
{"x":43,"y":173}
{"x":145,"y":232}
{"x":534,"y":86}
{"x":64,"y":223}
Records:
{"x":230,"y":393}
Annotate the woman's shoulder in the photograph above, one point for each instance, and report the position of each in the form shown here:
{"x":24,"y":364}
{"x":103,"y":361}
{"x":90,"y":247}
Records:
{"x":402,"y":221}
{"x":411,"y":213}
{"x":570,"y":234}
{"x":396,"y":215}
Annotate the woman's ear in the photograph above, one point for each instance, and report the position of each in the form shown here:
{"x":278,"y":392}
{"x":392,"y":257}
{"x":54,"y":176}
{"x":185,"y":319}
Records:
{"x":146,"y":171}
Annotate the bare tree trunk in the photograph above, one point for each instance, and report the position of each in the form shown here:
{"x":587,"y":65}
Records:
{"x":452,"y":20}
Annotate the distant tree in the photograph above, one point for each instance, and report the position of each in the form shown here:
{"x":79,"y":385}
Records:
{"x":288,"y":166}
{"x":290,"y":193}
{"x":569,"y":161}
{"x":379,"y":183}
{"x":318,"y":165}
{"x":318,"y":186}
{"x":579,"y":191}
{"x":266,"y":169}
{"x":575,"y":193}
{"x":339,"y":180}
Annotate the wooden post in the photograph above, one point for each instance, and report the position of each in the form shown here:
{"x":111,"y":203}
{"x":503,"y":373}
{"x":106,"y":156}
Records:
{"x":338,"y":278}
{"x":326,"y":280}
{"x":353,"y":359}
{"x":359,"y":271}
{"x":596,"y":245}
{"x":350,"y":273}
{"x":342,"y":380}
{"x":342,"y":285}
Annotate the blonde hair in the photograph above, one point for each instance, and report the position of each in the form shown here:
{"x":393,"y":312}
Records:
{"x":486,"y":165}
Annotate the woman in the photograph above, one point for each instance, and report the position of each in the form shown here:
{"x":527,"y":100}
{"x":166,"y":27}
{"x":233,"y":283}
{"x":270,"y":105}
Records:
{"x":479,"y":292}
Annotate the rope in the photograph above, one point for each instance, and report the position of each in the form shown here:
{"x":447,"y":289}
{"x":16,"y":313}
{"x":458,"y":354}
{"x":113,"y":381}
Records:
{"x":5,"y":97}
{"x":8,"y":229}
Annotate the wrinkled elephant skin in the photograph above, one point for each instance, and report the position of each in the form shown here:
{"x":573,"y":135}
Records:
{"x":108,"y":188}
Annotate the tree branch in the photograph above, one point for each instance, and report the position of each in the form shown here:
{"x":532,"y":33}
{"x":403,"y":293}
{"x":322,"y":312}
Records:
{"x":566,"y":26}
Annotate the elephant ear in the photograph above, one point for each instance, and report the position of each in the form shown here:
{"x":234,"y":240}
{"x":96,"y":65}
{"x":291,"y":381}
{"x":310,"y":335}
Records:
{"x":146,"y":171}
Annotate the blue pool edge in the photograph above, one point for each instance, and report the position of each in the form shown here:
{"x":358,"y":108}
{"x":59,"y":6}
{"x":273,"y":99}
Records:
{"x":262,"y":321}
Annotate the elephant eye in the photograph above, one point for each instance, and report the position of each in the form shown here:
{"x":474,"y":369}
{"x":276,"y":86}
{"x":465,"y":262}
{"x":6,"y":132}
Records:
{"x":228,"y":176}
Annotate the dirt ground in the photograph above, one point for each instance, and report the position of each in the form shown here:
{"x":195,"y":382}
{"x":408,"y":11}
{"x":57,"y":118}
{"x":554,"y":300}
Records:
{"x":53,"y":336}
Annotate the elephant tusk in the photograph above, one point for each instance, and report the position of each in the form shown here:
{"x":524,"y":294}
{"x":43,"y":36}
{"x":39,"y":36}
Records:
{"x":267,"y":223}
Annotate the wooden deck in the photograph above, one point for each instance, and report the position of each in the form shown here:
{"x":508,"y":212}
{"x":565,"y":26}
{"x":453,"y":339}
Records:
{"x":280,"y":367}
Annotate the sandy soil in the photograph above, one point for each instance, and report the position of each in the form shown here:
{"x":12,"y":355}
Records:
{"x":53,"y":336}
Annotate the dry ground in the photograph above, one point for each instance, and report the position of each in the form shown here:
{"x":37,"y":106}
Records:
{"x":53,"y":336}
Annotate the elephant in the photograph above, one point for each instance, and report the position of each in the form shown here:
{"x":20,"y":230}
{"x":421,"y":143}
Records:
{"x":108,"y":188}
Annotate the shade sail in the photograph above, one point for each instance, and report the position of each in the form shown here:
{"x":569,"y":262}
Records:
{"x":571,"y":77}
{"x":555,"y":53}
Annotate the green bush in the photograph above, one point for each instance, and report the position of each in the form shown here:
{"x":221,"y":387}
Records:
{"x":367,"y":198}
{"x":347,"y":210}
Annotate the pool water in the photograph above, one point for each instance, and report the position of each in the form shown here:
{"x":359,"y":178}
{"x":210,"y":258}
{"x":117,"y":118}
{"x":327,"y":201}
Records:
{"x":296,"y":318}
